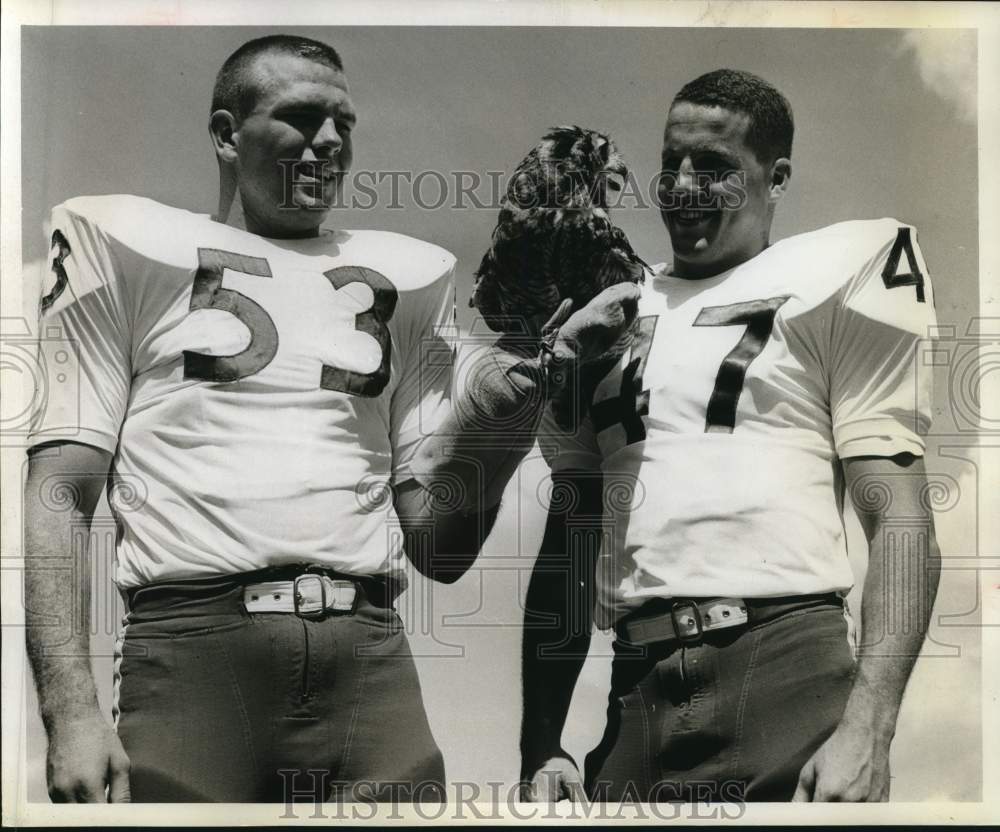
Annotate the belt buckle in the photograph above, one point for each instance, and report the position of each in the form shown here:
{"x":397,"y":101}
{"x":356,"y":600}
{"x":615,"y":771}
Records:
{"x":695,"y":614}
{"x":298,"y":598}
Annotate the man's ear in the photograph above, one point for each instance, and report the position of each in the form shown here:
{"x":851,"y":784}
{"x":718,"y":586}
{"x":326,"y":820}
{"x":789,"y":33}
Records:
{"x":222,"y":127}
{"x":781,"y":172}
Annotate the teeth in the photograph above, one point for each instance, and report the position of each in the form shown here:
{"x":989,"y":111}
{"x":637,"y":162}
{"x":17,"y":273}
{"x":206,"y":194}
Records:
{"x":306,"y":179}
{"x":315,"y":171}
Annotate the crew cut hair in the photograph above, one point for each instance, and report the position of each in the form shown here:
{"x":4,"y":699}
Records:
{"x":236,"y":88}
{"x":771,"y":128}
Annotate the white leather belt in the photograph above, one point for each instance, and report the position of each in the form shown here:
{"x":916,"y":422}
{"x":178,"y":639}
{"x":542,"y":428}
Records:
{"x":687,"y":621}
{"x":308,"y":595}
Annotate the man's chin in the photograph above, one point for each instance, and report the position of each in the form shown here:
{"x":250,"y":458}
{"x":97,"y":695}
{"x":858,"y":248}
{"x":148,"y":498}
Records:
{"x":692,"y":247}
{"x":693,"y":239}
{"x":296,"y":221}
{"x":696,"y":256}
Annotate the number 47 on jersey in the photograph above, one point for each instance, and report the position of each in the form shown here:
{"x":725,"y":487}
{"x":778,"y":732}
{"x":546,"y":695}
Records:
{"x":632,"y":402}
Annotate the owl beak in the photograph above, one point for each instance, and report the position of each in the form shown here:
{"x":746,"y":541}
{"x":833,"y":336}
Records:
{"x":615,"y":174}
{"x":615,"y":177}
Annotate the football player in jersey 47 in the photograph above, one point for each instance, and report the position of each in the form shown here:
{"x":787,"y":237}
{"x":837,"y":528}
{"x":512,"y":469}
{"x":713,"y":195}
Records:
{"x":697,"y":509}
{"x":260,"y":392}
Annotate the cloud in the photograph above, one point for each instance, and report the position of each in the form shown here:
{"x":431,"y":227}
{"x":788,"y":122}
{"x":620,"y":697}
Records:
{"x":947,"y":67}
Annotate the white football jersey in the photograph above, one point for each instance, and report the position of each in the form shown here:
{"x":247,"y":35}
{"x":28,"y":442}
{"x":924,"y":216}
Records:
{"x":719,"y":435}
{"x":259,"y":395}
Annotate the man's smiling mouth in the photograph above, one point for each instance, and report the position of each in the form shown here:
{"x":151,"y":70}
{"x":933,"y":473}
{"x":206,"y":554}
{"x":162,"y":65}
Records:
{"x":692,"y":216}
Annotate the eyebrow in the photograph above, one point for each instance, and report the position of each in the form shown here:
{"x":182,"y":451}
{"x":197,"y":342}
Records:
{"x":343,"y":110}
{"x":701,"y":150}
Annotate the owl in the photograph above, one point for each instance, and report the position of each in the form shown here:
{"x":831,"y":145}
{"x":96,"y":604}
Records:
{"x":554,"y":240}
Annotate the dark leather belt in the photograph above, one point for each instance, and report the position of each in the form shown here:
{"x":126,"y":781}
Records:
{"x":307,"y":590}
{"x":688,"y":619}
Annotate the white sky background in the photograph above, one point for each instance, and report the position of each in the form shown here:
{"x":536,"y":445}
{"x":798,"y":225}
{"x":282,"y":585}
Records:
{"x":885,"y":127}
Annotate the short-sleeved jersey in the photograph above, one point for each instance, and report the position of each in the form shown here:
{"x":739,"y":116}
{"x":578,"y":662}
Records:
{"x":719,"y":434}
{"x":259,"y":395}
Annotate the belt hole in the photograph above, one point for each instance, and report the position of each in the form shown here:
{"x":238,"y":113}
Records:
{"x":725,"y":613}
{"x":277,"y":596}
{"x":254,"y":597}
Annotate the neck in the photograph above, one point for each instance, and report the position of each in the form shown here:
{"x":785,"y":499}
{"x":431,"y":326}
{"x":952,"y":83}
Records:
{"x":230,"y":210}
{"x":700,"y":271}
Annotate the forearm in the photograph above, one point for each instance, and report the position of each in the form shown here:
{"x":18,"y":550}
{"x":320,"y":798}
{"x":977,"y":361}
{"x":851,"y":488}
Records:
{"x":57,"y":603}
{"x":440,"y":539}
{"x":559,"y":612}
{"x":63,"y":486}
{"x":468,"y":461}
{"x":897,"y":598}
{"x":554,"y":649}
{"x":448,"y":508}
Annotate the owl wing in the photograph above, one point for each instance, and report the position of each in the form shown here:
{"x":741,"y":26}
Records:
{"x":592,"y":254}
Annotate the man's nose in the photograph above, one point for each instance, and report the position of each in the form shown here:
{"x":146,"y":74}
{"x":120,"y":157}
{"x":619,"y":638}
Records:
{"x":686,"y":179}
{"x":327,"y":142}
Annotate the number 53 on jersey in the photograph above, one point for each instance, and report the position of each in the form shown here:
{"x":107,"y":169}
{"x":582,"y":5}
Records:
{"x":208,"y":293}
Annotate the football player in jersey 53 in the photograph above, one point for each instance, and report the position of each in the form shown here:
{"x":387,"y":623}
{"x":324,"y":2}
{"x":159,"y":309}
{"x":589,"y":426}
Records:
{"x":258,"y":391}
{"x":698,"y":509}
